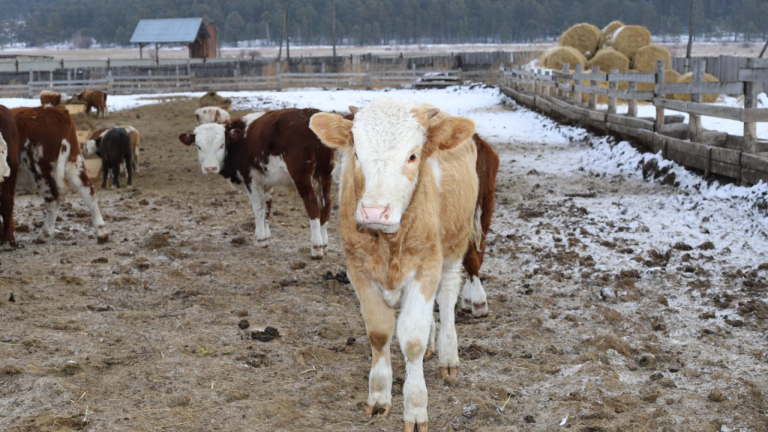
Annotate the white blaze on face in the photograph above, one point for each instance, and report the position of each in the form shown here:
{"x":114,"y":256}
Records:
{"x":211,"y":147}
{"x":89,"y":147}
{"x":388,"y":141}
{"x":5,"y":169}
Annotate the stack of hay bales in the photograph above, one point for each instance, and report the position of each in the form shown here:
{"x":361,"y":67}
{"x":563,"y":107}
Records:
{"x":688,"y":77}
{"x":626,"y":48}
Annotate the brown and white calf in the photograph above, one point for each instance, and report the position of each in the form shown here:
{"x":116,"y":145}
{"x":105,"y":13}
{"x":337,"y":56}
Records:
{"x":94,"y":99}
{"x":211,"y":115}
{"x":473,"y":296}
{"x":49,"y":97}
{"x":408,"y":196}
{"x":90,"y":145}
{"x":49,"y":153}
{"x":273,"y":149}
{"x":9,"y":168}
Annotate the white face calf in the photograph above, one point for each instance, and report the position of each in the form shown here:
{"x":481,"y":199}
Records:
{"x":211,"y":142}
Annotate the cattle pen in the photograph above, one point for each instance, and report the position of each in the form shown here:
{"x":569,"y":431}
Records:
{"x":571,"y":96}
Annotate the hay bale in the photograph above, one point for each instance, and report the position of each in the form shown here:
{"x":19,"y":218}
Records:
{"x":628,"y":39}
{"x":545,"y":55}
{"x":609,"y":59}
{"x":561,"y":55}
{"x":688,"y":77}
{"x":646,"y":57}
{"x":584,"y":37}
{"x":607,"y":33}
{"x":213,"y":99}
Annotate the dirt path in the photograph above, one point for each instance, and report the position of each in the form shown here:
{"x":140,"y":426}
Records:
{"x":589,"y":321}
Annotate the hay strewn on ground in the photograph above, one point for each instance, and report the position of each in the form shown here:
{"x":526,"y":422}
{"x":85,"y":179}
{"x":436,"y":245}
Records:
{"x":558,"y":57}
{"x":213,"y":99}
{"x":647,"y":56}
{"x":607,"y":33}
{"x":628,"y":39}
{"x":584,"y":37}
{"x":609,"y":59}
{"x":688,"y":77}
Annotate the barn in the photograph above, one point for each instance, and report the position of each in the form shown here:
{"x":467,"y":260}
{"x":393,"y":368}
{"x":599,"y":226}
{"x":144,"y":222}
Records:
{"x":198,"y":36}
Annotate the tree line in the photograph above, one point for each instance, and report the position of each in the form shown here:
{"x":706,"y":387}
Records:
{"x":358,"y":22}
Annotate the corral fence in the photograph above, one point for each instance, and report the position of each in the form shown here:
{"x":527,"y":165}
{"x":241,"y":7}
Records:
{"x":573,"y":95}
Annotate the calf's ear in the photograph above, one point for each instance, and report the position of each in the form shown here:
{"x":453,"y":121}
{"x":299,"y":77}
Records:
{"x":234,"y":134}
{"x":332,"y":129}
{"x":451,"y":132}
{"x":187,"y":138}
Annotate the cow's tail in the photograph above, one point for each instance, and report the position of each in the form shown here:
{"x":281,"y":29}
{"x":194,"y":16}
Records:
{"x":487,"y":169}
{"x":476,"y":236}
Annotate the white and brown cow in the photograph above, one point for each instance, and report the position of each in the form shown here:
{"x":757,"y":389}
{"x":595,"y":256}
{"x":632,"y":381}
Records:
{"x":9,"y":168}
{"x":50,"y":153}
{"x":273,"y":149}
{"x":408,"y":196}
{"x":49,"y":97}
{"x":211,"y":114}
{"x":94,"y":99}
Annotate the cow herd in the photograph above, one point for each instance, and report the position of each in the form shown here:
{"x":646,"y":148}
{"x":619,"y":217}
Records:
{"x":416,"y":195}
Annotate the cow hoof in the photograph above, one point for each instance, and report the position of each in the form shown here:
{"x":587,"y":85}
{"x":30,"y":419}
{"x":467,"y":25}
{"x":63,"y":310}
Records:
{"x":449,"y":372}
{"x":262,"y":242}
{"x":103,"y":238}
{"x":428,"y":355}
{"x":377,"y":410}
{"x":480,"y":310}
{"x":466,"y":305}
{"x":412,"y":427}
{"x":9,"y":246}
{"x":317,"y":252}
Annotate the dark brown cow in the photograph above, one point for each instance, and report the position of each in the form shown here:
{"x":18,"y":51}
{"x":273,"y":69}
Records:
{"x":473,"y":295}
{"x":9,"y":168}
{"x":50,"y":153}
{"x":263,"y":151}
{"x":94,"y":99}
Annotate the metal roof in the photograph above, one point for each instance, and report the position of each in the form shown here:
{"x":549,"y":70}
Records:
{"x":176,"y":30}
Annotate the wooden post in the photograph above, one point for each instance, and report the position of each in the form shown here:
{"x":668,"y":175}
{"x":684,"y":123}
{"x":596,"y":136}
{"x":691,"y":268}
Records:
{"x":593,"y":84}
{"x":279,"y":78}
{"x":660,"y":77}
{"x":549,"y":88}
{"x":367,"y":77}
{"x":577,"y":81}
{"x":632,"y":102}
{"x":694,"y":121}
{"x":751,"y":90}
{"x":536,"y":85}
{"x":612,"y":86}
{"x":565,"y":71}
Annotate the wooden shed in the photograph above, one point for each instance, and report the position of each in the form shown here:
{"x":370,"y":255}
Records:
{"x":198,"y":36}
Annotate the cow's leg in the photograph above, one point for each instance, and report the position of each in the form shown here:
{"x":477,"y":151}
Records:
{"x":325,"y":213}
{"x":473,"y":296}
{"x":128,"y":170}
{"x":413,"y":327}
{"x":6,"y":210}
{"x":78,"y":178}
{"x":447,"y":343}
{"x":47,"y":188}
{"x":115,"y":174}
{"x":105,"y":172}
{"x":257,"y":195}
{"x":312,"y":205}
{"x":135,"y":162}
{"x":380,"y":325}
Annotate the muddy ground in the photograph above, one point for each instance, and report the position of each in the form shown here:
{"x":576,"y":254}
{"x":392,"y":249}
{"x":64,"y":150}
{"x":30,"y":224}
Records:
{"x":143,"y":333}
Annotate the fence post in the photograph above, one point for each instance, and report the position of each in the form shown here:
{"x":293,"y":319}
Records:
{"x":694,"y":121}
{"x":29,"y":83}
{"x":577,"y":81}
{"x":659,"y":94}
{"x":632,"y":102}
{"x":279,"y":78}
{"x":177,"y":75}
{"x":750,"y":128}
{"x":593,"y":85}
{"x":367,"y":77}
{"x":110,"y":80}
{"x":612,"y":87}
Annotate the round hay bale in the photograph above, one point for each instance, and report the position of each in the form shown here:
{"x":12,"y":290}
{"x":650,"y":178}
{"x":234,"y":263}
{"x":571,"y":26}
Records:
{"x":646,"y":57}
{"x":628,"y":39}
{"x":545,"y":54}
{"x":561,"y":55}
{"x":584,"y":37}
{"x":607,"y":33}
{"x":688,"y":77}
{"x":609,"y":59}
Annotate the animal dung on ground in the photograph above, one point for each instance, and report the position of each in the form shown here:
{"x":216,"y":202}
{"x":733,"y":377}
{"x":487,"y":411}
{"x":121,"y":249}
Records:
{"x":584,"y":37}
{"x":647,"y":56}
{"x":608,"y":59}
{"x":628,"y":39}
{"x":562,"y":55}
{"x":267,"y":335}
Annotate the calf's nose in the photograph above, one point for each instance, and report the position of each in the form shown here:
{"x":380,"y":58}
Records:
{"x":375,"y":214}
{"x":211,"y":170}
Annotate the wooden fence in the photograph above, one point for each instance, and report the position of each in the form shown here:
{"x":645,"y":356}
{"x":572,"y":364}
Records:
{"x":743,"y":158}
{"x":182,"y":82}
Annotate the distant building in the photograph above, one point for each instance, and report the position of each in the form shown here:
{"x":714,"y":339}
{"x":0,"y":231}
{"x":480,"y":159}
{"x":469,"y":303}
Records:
{"x":198,"y":36}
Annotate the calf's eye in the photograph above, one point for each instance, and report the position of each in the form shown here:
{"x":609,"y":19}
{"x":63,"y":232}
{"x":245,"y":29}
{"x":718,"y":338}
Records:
{"x":412,"y":158}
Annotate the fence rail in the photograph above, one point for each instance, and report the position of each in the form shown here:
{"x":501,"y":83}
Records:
{"x":573,"y":95}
